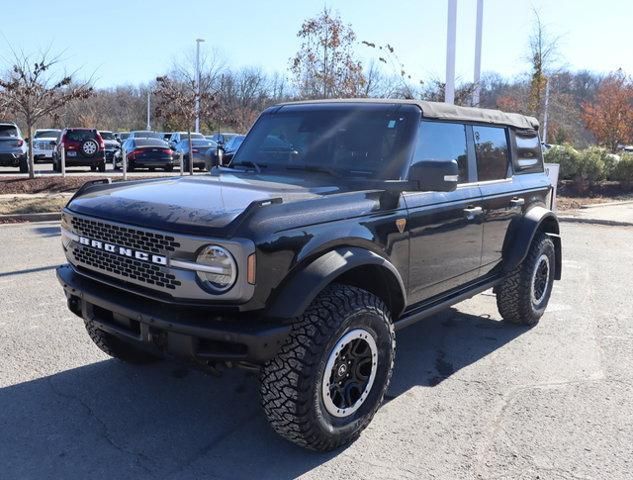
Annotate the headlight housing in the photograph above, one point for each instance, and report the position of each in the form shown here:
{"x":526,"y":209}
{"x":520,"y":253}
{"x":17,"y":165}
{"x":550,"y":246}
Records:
{"x":220,"y":270}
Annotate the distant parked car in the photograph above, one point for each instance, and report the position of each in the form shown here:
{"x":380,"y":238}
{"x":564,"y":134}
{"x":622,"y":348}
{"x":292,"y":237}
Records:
{"x":122,"y":136}
{"x":149,"y":153}
{"x":145,"y":134}
{"x":223,"y":138}
{"x":13,"y":151}
{"x":44,"y":142}
{"x":177,"y":137}
{"x":84,"y":147}
{"x":111,"y":144}
{"x":228,"y":149}
{"x":202,"y":150}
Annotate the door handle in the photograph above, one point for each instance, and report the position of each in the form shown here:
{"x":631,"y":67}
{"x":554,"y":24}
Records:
{"x":472,"y":212}
{"x":517,"y":202}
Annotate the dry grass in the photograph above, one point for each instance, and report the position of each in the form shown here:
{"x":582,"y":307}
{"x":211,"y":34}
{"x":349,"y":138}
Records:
{"x":21,"y":205}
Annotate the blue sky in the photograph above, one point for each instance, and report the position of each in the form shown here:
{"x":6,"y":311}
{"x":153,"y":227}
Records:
{"x":130,"y":42}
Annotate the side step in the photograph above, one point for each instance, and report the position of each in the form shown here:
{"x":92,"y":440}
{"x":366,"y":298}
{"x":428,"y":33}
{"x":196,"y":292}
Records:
{"x":435,"y":306}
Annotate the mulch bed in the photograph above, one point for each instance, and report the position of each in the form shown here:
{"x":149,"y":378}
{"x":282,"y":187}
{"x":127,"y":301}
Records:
{"x":52,"y":184}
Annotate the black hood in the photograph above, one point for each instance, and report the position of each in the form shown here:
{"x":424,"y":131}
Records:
{"x":196,"y":204}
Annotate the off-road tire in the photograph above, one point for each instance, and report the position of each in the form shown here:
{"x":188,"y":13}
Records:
{"x":117,"y":348}
{"x":514,"y":294}
{"x":291,"y":383}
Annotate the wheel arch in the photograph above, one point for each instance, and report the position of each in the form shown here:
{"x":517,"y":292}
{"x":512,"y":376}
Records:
{"x":536,"y":220}
{"x":354,"y":266}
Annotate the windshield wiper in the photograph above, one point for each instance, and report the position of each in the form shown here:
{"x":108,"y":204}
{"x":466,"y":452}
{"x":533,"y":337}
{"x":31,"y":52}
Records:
{"x":248,"y":163}
{"x":314,"y":168}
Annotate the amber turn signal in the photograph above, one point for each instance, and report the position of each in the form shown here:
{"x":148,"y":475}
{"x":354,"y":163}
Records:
{"x":250,"y":269}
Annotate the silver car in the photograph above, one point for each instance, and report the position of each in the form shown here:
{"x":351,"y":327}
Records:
{"x":13,"y":151}
{"x":44,"y":142}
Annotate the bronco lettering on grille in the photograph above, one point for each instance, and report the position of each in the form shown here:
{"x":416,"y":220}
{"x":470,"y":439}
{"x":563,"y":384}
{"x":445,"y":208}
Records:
{"x":123,"y":251}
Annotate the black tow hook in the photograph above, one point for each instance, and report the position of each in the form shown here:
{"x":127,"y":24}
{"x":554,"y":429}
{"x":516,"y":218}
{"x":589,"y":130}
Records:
{"x":74,"y":305}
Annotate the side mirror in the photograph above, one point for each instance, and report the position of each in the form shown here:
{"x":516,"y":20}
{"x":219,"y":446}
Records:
{"x":219,"y":154}
{"x":435,"y":175}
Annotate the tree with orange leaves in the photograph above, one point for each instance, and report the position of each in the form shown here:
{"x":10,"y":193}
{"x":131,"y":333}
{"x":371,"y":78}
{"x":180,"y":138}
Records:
{"x":610,"y":116}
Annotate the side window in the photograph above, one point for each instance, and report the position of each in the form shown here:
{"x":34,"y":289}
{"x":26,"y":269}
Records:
{"x":491,"y":148}
{"x":443,"y":141}
{"x":529,"y":157}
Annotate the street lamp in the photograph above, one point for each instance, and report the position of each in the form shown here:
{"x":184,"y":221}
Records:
{"x":198,"y":42}
{"x":451,"y":34}
{"x":477,"y":75}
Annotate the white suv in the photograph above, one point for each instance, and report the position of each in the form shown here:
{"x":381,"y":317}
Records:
{"x":44,"y":142}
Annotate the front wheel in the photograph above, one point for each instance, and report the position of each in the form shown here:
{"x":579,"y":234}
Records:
{"x":329,"y":378}
{"x":523,"y":295}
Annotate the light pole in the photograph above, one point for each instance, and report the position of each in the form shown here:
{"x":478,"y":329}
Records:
{"x":545,"y":115}
{"x":198,"y":42}
{"x":451,"y":33}
{"x":149,"y":126}
{"x":477,"y":75}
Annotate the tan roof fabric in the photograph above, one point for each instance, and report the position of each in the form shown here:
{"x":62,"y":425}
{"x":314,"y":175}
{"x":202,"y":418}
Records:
{"x":445,"y":111}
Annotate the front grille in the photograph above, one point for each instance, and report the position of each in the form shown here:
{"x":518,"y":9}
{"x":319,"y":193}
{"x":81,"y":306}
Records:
{"x":125,"y":236}
{"x":125,"y":267}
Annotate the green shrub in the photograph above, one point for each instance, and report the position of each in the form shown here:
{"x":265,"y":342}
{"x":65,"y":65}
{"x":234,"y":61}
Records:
{"x":584,"y":168}
{"x":566,"y":156}
{"x":623,"y":171}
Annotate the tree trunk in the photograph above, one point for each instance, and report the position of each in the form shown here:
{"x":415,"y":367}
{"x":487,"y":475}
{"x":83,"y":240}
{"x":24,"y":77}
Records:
{"x":190,"y":151}
{"x":29,"y":128}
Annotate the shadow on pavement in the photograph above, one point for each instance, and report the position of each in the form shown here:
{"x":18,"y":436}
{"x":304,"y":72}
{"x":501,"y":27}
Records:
{"x":111,"y":420}
{"x":48,"y":231}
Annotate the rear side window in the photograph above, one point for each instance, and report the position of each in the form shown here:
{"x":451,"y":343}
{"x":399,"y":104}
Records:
{"x":529,"y":157}
{"x":491,"y":148}
{"x":443,"y":141}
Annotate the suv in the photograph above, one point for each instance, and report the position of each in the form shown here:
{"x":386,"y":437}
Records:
{"x":13,"y":150}
{"x":111,"y":143}
{"x":84,"y":148}
{"x":335,"y":224}
{"x":44,"y":142}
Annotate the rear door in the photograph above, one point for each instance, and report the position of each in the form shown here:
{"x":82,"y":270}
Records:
{"x":445,"y":227}
{"x":501,"y":194}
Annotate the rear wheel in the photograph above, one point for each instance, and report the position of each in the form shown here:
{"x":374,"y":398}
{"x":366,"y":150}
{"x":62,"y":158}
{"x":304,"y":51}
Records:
{"x":523,"y":296}
{"x":93,"y":168}
{"x":117,"y":348}
{"x":329,"y":378}
{"x":169,"y":169}
{"x":24,"y":165}
{"x":102,"y":167}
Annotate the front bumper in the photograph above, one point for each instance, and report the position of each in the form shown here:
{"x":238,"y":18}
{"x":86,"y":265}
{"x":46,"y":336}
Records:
{"x":198,"y":333}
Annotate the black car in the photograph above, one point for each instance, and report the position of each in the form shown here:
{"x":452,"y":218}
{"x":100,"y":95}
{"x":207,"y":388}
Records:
{"x":336,"y":224}
{"x":83,"y":147}
{"x":202,"y":150}
{"x":148,"y":153}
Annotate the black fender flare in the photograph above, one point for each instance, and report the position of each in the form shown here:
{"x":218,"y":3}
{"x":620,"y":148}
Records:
{"x":518,"y":243}
{"x":299,"y":291}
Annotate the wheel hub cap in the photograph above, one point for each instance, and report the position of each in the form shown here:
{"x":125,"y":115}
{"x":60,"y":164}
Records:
{"x":540,"y":279}
{"x":349,"y":373}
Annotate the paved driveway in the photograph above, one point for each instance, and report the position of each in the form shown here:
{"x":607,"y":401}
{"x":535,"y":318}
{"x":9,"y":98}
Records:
{"x":470,"y":398}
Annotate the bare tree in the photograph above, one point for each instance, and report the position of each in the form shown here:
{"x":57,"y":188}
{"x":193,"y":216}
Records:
{"x":542,"y":56}
{"x":177,"y":97}
{"x":32,"y":89}
{"x":324,"y":66}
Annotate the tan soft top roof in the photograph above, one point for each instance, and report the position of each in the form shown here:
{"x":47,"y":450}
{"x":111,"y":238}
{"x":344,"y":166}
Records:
{"x":445,"y":111}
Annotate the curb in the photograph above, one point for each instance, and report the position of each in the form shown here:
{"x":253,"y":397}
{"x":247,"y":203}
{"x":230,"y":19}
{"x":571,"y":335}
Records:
{"x":595,"y":221}
{"x":610,"y":204}
{"x":30,"y":217}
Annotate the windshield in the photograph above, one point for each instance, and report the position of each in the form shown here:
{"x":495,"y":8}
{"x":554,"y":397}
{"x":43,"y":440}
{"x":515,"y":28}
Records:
{"x":366,"y":140}
{"x":80,"y":135}
{"x":46,"y":134}
{"x":8,"y":131}
{"x":197,"y":143}
{"x":150,"y":142}
{"x":107,"y":135}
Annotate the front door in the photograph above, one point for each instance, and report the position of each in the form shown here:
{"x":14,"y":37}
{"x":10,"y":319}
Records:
{"x":445,"y":228}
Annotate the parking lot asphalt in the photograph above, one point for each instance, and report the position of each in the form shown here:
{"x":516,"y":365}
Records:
{"x":471,"y":397}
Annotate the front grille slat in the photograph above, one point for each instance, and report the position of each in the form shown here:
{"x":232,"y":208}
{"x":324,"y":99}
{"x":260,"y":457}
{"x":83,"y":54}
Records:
{"x":125,"y":236}
{"x":152,"y":275}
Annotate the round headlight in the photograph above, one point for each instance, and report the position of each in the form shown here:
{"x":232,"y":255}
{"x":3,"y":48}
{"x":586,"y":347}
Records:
{"x":220,"y":270}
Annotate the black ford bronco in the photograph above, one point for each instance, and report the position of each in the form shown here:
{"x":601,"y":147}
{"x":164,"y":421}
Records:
{"x":333,"y":225}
